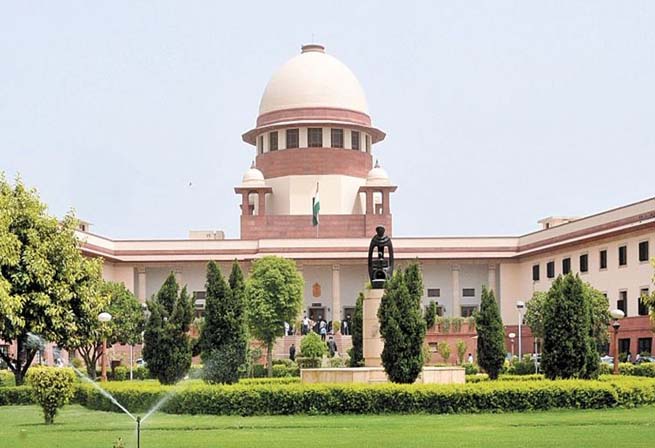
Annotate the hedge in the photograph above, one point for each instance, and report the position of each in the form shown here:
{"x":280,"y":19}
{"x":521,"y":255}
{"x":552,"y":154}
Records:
{"x":489,"y":396}
{"x":16,"y":395}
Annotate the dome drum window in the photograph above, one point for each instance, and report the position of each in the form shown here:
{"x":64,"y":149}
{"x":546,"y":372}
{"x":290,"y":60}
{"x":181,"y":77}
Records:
{"x":315,"y":137}
{"x":272,"y":141}
{"x":337,"y":138}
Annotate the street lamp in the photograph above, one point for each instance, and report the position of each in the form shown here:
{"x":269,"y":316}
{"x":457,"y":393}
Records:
{"x":511,"y":341}
{"x":616,"y":316}
{"x":520,"y":305}
{"x":103,"y":318}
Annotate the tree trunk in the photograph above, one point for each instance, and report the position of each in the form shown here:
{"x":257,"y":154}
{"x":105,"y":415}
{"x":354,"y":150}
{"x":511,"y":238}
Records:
{"x":269,"y":359}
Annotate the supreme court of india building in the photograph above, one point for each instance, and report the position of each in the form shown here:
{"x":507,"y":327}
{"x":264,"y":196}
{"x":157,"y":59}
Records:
{"x":314,"y":129}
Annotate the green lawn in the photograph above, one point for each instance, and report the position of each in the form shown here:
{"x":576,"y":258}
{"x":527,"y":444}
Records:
{"x":75,"y":426}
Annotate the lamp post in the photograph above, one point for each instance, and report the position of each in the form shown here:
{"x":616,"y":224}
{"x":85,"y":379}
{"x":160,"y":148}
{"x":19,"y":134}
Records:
{"x":511,"y":341}
{"x":103,"y":318}
{"x":520,"y":305}
{"x":616,"y":316}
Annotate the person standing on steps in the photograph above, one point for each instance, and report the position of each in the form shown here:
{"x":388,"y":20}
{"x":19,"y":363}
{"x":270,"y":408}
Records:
{"x":292,"y":352}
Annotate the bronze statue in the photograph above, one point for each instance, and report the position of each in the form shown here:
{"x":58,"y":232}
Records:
{"x":380,"y":269}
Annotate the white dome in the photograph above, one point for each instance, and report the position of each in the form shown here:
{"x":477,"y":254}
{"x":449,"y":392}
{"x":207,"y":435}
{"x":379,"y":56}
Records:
{"x":253,"y":178}
{"x":377,"y":177}
{"x":313,"y":79}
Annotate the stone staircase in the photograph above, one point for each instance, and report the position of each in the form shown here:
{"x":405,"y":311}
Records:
{"x":281,"y":347}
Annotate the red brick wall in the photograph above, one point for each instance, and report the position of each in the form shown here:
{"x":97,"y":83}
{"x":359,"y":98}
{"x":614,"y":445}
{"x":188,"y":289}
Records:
{"x":300,"y":226}
{"x":301,"y":161}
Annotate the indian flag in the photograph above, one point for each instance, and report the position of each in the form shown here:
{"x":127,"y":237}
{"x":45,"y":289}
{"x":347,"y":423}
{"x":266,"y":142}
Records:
{"x":316,"y":207}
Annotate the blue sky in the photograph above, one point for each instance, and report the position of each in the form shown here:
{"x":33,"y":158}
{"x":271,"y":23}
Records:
{"x":497,"y":113}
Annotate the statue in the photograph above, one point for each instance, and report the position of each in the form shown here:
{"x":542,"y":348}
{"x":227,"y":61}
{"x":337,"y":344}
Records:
{"x":380,"y":269}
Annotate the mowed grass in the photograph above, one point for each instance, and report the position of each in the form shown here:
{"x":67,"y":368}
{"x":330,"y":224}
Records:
{"x":75,"y":426}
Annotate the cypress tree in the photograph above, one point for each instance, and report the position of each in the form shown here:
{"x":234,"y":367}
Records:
{"x":569,"y":347}
{"x":166,"y":343}
{"x":357,"y":351}
{"x":222,"y":341}
{"x":491,"y":335}
{"x":402,"y":326}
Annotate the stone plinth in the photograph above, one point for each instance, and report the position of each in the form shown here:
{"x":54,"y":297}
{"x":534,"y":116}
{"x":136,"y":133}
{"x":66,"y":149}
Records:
{"x":374,"y":375}
{"x":371,"y":340}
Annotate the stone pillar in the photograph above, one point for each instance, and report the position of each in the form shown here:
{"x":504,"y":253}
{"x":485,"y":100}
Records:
{"x":369,"y":202}
{"x":336,"y":292}
{"x":261,"y":196}
{"x":456,"y":308}
{"x":245,"y":204}
{"x":492,"y":279}
{"x":141,"y":293}
{"x":386,"y":209}
{"x":371,"y":340}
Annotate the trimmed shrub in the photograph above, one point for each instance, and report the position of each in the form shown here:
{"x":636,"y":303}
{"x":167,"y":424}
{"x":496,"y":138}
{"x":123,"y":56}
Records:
{"x":16,"y":395}
{"x":470,"y":368}
{"x":51,"y":389}
{"x":311,"y":346}
{"x":524,"y":367}
{"x":604,"y":369}
{"x":643,"y":369}
{"x":309,"y":363}
{"x":6,"y":378}
{"x":282,"y":371}
{"x":122,"y":373}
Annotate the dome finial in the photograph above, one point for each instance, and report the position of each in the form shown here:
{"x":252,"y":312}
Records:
{"x":377,"y":163}
{"x":252,"y":165}
{"x":312,"y":47}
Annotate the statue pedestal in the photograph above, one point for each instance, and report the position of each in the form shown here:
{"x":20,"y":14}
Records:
{"x":371,"y":340}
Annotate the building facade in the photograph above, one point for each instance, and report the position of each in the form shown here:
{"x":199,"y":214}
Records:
{"x":314,"y":134}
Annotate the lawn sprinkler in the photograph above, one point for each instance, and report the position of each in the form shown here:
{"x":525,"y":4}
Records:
{"x":138,"y":431}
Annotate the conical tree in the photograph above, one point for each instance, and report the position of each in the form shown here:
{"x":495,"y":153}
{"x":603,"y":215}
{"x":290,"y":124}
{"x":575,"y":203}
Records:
{"x":569,"y":347}
{"x":402,"y":326}
{"x":222,"y":336}
{"x":491,"y":335}
{"x":166,"y":344}
{"x":357,"y":351}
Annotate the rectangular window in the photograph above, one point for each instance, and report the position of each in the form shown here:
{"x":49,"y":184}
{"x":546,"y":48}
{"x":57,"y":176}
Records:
{"x":584,"y":263}
{"x":643,"y":251}
{"x":643,"y":308}
{"x":566,"y":266}
{"x":315,"y":137}
{"x":293,"y":138}
{"x":468,"y":292}
{"x":260,"y":144}
{"x":368,"y":143}
{"x":434,"y":292}
{"x":623,"y":255}
{"x":624,"y":345}
{"x":199,"y":300}
{"x":337,"y":138}
{"x":603,"y":259}
{"x":467,"y":311}
{"x":535,"y":273}
{"x":622,"y":303}
{"x":272,"y":141}
{"x":354,"y":140}
{"x":645,"y":346}
{"x":550,"y":269}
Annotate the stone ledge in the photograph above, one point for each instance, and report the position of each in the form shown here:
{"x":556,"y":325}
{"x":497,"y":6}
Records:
{"x":377,"y":375}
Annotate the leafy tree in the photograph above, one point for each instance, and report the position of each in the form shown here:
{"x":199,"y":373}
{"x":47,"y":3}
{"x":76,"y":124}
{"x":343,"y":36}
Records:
{"x":126,"y":325}
{"x":491,"y":335}
{"x":431,"y":314}
{"x":46,"y":286}
{"x":402,"y":325}
{"x":224,"y":328}
{"x":569,"y":343}
{"x":274,"y":295}
{"x":167,"y":348}
{"x":534,"y":317}
{"x":357,"y":350}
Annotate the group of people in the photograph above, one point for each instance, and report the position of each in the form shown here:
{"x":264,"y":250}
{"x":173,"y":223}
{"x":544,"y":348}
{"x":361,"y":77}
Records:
{"x":323,"y":327}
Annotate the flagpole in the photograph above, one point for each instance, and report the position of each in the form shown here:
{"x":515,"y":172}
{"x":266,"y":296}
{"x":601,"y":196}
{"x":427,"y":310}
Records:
{"x":318,"y":219}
